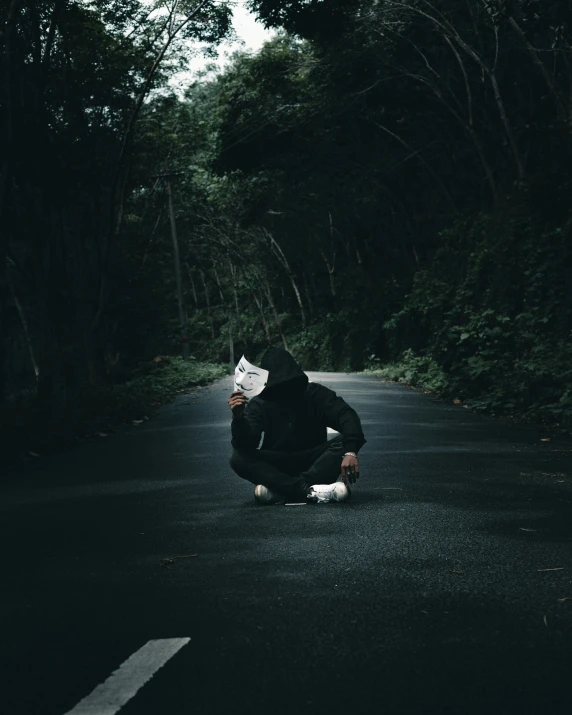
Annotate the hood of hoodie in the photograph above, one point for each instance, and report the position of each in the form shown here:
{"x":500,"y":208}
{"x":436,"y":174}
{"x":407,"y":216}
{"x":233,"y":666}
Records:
{"x":286,"y":379}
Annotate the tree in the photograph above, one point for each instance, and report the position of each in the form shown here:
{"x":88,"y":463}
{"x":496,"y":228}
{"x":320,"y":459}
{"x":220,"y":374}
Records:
{"x":83,"y":72}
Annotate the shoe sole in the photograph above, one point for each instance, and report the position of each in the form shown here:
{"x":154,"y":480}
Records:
{"x":331,"y":501}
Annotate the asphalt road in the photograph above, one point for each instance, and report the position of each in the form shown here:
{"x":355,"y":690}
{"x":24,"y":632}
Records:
{"x":428,"y":593}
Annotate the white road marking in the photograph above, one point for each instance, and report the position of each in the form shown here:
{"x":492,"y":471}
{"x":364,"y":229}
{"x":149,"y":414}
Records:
{"x":131,"y":675}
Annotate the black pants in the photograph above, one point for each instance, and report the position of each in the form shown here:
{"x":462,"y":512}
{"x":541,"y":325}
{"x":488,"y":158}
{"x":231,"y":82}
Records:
{"x":290,"y":473}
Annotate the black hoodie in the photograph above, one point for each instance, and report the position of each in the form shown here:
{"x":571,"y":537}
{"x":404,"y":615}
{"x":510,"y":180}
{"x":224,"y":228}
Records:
{"x":292,"y":412}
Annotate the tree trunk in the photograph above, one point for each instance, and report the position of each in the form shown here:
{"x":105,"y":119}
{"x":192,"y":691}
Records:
{"x":485,"y":164}
{"x":330,"y":267}
{"x":234,"y":279}
{"x":193,"y":289}
{"x":25,"y":327}
{"x":217,"y":279}
{"x":230,"y":345}
{"x":534,"y":56}
{"x":272,"y":304}
{"x":262,"y":316}
{"x":94,"y":357}
{"x":208,"y":301}
{"x":284,"y":261}
{"x":314,"y":287}
{"x":308,"y":295}
{"x":183,"y":323}
{"x":50,"y":393}
{"x":507,"y":127}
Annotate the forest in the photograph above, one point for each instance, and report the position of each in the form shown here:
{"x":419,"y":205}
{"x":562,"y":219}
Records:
{"x":384,"y":186}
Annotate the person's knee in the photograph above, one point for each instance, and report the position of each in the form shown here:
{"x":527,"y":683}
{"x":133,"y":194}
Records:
{"x":240,"y":462}
{"x":236,"y":460}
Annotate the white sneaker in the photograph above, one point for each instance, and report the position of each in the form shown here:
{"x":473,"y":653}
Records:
{"x":324,"y":493}
{"x":263,"y":495}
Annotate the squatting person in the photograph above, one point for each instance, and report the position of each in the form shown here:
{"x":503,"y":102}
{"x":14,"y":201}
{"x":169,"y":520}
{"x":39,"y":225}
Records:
{"x":296,"y":462}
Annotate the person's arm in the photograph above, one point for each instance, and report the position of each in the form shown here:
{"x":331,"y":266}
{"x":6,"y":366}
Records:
{"x":247,"y":422}
{"x":338,"y":415}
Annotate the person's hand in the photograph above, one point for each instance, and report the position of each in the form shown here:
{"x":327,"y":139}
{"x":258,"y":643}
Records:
{"x":237,"y":402}
{"x":350,"y":468}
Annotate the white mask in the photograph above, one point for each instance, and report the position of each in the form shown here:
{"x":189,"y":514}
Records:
{"x":250,"y":379}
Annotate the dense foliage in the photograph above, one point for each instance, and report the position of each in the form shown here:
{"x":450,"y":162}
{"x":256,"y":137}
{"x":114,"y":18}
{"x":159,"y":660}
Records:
{"x":75,"y":77}
{"x":385,"y":181}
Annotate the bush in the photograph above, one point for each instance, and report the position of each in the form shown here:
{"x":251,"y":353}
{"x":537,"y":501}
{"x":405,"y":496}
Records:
{"x":411,"y":369}
{"x":493,"y":312}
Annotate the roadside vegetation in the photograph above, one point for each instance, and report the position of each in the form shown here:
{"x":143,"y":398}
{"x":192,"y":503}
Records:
{"x":31,"y":431}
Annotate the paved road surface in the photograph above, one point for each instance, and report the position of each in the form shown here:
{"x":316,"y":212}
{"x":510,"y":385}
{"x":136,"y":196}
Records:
{"x":426,"y":594}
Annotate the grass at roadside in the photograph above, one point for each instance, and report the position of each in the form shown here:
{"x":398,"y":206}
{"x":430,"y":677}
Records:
{"x":96,"y":412}
{"x":414,"y":371}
